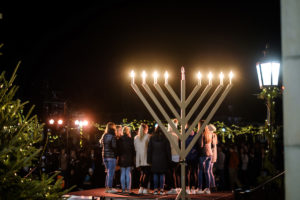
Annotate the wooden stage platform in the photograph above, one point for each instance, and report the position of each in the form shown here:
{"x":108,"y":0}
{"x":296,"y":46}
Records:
{"x":99,"y":194}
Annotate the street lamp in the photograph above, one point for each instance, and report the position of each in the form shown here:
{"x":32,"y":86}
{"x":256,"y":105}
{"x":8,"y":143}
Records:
{"x":268,"y":70}
{"x":81,"y":124}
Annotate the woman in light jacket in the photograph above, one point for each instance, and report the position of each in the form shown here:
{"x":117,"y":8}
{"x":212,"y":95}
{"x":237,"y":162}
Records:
{"x":141,"y":146}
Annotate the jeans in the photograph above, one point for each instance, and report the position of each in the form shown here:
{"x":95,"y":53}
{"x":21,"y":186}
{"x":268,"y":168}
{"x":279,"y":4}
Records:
{"x":110,"y":166}
{"x":204,"y":163}
{"x":161,"y":180}
{"x":126,"y":177}
{"x":211,"y":174}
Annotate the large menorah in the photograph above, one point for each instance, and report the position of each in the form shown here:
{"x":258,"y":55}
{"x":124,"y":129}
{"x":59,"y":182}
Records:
{"x":182,"y":118}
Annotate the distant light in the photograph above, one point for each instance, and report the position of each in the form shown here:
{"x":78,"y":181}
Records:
{"x":60,"y":122}
{"x":76,"y":122}
{"x":51,"y":121}
{"x":85,"y":123}
{"x":223,"y":129}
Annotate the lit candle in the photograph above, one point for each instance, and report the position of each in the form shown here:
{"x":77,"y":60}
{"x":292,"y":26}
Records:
{"x":210,"y":75}
{"x":199,"y":76}
{"x":182,"y":73}
{"x":144,"y":75}
{"x":166,"y":77}
{"x":221,"y":78}
{"x":132,"y":75}
{"x":155,"y":75}
{"x":230,"y":77}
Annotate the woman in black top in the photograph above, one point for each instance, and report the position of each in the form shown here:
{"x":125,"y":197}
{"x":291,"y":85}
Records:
{"x":126,"y":155}
{"x":159,"y":156}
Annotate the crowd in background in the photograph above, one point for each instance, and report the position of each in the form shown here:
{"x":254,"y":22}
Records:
{"x":147,"y":160}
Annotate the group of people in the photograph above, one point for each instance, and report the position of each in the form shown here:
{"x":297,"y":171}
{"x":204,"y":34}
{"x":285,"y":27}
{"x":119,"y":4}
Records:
{"x":156,"y":157}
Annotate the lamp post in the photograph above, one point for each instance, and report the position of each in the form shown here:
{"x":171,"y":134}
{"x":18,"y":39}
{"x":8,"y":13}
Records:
{"x":81,"y":124}
{"x":268,"y":69}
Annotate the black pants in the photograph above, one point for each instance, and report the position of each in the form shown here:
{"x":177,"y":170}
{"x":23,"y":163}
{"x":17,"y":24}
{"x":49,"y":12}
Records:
{"x":145,"y":176}
{"x":192,"y":174}
{"x":173,"y":175}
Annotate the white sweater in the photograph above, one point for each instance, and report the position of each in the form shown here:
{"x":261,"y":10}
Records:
{"x":141,"y":147}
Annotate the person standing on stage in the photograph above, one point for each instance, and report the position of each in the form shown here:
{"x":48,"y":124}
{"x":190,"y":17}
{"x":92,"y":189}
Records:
{"x":204,"y":160}
{"x":109,"y":144}
{"x":214,"y":143}
{"x":126,"y":155}
{"x":141,"y":147}
{"x":159,"y":156}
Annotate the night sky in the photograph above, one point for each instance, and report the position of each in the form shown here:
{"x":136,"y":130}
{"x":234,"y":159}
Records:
{"x":85,"y":51}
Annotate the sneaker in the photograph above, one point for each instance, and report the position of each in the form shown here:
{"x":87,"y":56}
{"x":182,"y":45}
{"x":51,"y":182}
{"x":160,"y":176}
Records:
{"x":199,"y":191}
{"x":155,"y":192}
{"x":193,"y":191}
{"x":111,"y":190}
{"x":207,"y":191}
{"x":172,"y":191}
{"x":145,"y":191}
{"x":140,"y":190}
{"x":162,"y":192}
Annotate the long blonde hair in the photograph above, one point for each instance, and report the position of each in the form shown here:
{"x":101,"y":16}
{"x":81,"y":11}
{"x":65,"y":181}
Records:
{"x":141,"y":133}
{"x":207,"y":136}
{"x":126,"y":131}
{"x":110,"y":128}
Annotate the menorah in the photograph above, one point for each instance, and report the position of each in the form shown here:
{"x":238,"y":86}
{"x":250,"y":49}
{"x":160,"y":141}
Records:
{"x":182,"y":118}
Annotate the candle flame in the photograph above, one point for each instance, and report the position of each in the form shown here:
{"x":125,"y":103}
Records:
{"x":199,"y":75}
{"x":132,"y":74}
{"x":166,"y":75}
{"x":230,"y":75}
{"x":144,"y":75}
{"x":155,"y":74}
{"x":221,"y":75}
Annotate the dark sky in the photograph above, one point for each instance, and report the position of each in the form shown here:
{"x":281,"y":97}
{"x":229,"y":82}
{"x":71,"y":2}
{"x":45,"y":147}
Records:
{"x":86,"y":50}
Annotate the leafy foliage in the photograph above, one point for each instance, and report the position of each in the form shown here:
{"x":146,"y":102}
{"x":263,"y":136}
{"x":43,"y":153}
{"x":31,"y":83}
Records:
{"x":20,"y":133}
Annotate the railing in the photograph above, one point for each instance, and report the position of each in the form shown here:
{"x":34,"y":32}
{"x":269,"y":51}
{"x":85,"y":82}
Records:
{"x":266,"y":190}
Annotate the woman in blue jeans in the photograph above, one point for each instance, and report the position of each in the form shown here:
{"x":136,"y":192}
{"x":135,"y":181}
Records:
{"x":109,"y":144}
{"x":126,"y":154}
{"x":205,"y":160}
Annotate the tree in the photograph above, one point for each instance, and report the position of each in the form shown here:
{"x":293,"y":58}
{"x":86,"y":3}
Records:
{"x":20,"y":134}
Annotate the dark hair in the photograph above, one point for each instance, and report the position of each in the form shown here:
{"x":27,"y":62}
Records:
{"x":159,"y":133}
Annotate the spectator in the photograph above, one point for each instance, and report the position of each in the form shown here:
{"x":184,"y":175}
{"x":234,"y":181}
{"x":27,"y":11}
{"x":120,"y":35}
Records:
{"x":233,"y":167}
{"x":220,"y":167}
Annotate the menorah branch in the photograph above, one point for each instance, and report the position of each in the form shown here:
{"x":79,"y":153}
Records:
{"x":156,"y":118}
